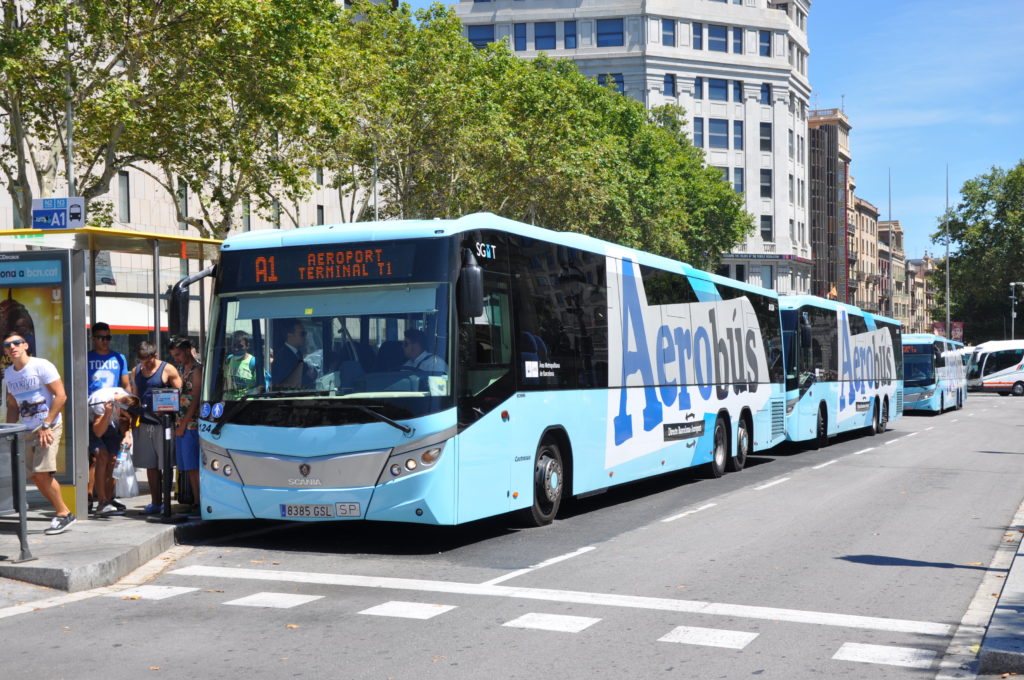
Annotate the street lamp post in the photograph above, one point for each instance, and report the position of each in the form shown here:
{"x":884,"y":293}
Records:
{"x":1013,"y":307}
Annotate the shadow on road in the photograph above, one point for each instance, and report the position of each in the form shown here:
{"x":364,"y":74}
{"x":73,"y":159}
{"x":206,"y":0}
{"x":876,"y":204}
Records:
{"x":885,"y":561}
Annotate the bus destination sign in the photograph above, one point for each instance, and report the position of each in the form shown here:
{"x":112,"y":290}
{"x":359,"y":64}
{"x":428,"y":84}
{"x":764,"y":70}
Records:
{"x":321,"y":265}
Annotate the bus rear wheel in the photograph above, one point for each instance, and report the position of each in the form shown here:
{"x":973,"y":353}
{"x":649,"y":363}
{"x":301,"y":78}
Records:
{"x":737,"y":463}
{"x":720,"y":452}
{"x":1018,"y":389}
{"x":883,"y":421}
{"x":548,"y":483}
{"x":876,"y":420}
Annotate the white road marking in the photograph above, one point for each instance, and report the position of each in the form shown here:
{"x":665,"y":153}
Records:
{"x":709,"y":637}
{"x":890,"y":656}
{"x":769,"y":484}
{"x":274,"y":600}
{"x":575,"y":597}
{"x":929,"y":428}
{"x":870,"y":448}
{"x":540,"y":565}
{"x":151,"y":592}
{"x":893,"y":441}
{"x":688,"y":512}
{"x":912,"y":434}
{"x":818,"y":467}
{"x":553,"y":622}
{"x":409,"y":610}
{"x":954,"y":420}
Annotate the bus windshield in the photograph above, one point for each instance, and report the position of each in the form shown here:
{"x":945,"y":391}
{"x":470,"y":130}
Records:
{"x":383,"y":347}
{"x":918,"y":368}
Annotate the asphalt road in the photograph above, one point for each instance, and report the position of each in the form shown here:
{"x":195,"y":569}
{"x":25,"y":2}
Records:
{"x":856,"y":561}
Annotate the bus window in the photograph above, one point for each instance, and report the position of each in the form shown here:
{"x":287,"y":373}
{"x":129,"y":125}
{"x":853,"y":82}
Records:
{"x":1002,"y":360}
{"x":487,"y":339}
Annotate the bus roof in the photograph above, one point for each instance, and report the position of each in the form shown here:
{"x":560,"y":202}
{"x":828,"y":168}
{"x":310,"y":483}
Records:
{"x":438,"y":228}
{"x":923,"y":339}
{"x":797,"y":301}
{"x":996,"y":345}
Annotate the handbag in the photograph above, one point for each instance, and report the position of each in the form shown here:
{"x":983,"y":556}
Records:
{"x":127,"y":483}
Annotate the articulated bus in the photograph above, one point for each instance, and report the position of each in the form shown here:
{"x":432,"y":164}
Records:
{"x":444,"y":371}
{"x":844,"y":369}
{"x":997,"y":366}
{"x":934,"y":378}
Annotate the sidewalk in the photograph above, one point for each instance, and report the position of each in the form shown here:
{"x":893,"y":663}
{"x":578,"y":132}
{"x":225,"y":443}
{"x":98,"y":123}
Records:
{"x":94,"y":552}
{"x":1003,"y":648}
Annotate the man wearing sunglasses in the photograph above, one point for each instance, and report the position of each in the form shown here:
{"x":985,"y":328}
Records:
{"x":107,"y":369}
{"x":36,"y":397}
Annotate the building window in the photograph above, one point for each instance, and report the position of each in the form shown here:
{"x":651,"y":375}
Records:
{"x":182,"y":203}
{"x":767,"y":231}
{"x":791,"y":150}
{"x":481,"y":36}
{"x":766,"y":93}
{"x":801,"y":193}
{"x":764,"y":43}
{"x":737,"y":40}
{"x":766,"y":185}
{"x":609,"y":33}
{"x":737,"y":91}
{"x":767,"y":275}
{"x":792,"y":231}
{"x":718,"y":38}
{"x":698,"y":133}
{"x":725,"y":173}
{"x":737,"y":180}
{"x":544,"y":35}
{"x":124,"y":204}
{"x":766,"y":136}
{"x":669,"y":86}
{"x":668,"y":32}
{"x":792,"y":189}
{"x":723,"y":270}
{"x":698,"y":35}
{"x":319,"y":214}
{"x":614,"y":78}
{"x":570,"y":35}
{"x":741,"y":273}
{"x":718,"y":89}
{"x":718,"y":133}
{"x":698,"y":88}
{"x":520,"y":37}
{"x":737,"y":135}
{"x":320,"y":176}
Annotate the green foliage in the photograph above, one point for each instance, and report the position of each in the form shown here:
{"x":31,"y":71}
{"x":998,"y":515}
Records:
{"x":987,"y":233}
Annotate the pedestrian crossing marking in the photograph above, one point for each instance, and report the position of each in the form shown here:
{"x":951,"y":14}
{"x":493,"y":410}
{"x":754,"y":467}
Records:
{"x":890,"y":656}
{"x":274,"y":600}
{"x":709,"y":637}
{"x":151,"y":592}
{"x":554,"y":622}
{"x":408,"y":610}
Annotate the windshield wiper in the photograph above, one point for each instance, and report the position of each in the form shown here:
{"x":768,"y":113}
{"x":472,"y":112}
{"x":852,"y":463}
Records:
{"x":379,"y":416}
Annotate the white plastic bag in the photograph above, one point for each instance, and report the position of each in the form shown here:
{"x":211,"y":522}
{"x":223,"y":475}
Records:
{"x":126,"y":484}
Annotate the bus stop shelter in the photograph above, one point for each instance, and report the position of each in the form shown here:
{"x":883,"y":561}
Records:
{"x":82,"y":246}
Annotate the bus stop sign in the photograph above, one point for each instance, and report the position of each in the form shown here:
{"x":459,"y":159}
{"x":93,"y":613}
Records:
{"x":58,"y":213}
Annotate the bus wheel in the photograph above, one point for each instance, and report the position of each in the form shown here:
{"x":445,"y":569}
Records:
{"x":883,"y":421}
{"x":548,"y":481}
{"x":876,"y":420}
{"x":720,"y":452}
{"x":821,"y":431}
{"x":959,"y":401}
{"x":1018,"y":389}
{"x":742,"y":447}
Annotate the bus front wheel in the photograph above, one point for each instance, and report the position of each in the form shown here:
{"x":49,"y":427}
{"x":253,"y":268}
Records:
{"x":548,"y":482}
{"x":821,"y":429}
{"x":742,"y":446}
{"x":720,"y":452}
{"x":1018,"y":389}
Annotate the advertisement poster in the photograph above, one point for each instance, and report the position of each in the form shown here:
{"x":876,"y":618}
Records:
{"x":32,"y":303}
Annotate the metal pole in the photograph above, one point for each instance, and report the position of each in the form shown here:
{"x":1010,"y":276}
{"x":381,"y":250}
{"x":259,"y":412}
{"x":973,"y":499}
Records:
{"x":168,"y":465}
{"x":1013,"y":311}
{"x":21,"y":499}
{"x":375,"y":214}
{"x":156,"y":296}
{"x":949,"y":328}
{"x":892,"y":249}
{"x":70,"y":119}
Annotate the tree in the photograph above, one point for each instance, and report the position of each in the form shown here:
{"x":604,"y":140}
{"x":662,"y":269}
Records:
{"x":986,"y":230}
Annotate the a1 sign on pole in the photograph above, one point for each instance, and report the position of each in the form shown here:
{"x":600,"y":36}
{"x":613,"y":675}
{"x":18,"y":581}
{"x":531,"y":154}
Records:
{"x":58,"y":213}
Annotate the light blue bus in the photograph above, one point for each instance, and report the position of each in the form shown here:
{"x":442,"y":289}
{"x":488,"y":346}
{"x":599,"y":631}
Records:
{"x":934,"y":375}
{"x":843,"y":369}
{"x":443,"y":371}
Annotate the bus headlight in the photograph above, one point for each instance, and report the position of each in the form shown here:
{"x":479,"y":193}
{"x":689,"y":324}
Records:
{"x":410,"y":461}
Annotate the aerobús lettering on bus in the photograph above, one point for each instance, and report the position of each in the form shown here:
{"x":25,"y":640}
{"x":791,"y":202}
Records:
{"x":866,"y":362}
{"x":710,"y":349}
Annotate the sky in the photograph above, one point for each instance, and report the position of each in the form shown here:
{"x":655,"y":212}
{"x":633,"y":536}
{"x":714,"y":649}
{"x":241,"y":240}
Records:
{"x":926,"y":85}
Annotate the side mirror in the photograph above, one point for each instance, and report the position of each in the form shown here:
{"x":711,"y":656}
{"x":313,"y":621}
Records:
{"x":177,"y":302}
{"x":470,"y":287}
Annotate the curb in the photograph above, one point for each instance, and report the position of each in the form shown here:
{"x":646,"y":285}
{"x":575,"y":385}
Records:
{"x":1002,"y":650}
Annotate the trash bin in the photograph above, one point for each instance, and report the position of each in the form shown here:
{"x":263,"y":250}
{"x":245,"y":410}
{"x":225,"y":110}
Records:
{"x":9,"y":432}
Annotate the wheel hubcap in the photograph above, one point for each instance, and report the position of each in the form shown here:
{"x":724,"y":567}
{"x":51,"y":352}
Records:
{"x":550,"y":478}
{"x":720,"y":453}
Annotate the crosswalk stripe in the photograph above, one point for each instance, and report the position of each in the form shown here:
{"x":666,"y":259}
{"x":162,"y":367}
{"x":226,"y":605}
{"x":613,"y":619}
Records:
{"x":709,"y":637}
{"x":151,"y":592}
{"x":553,"y":622}
{"x":274,"y":600}
{"x":575,"y":597}
{"x":408,"y":610}
{"x":890,"y":656}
